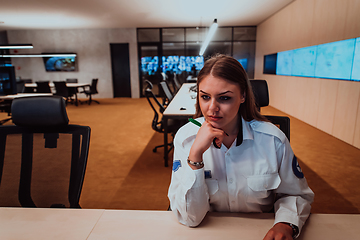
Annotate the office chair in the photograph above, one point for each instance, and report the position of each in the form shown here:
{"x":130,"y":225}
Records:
{"x":165,"y":93}
{"x":72,"y":90}
{"x":43,"y":87}
{"x":91,"y":91}
{"x":157,"y":123}
{"x":62,"y":90}
{"x":20,"y":86}
{"x":42,"y":157}
{"x":261,"y":93}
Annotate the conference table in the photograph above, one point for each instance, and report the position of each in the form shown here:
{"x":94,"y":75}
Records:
{"x":94,"y":224}
{"x":182,"y":106}
{"x":69,"y":85}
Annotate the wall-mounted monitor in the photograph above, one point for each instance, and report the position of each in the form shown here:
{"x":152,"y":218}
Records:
{"x":270,"y":63}
{"x":60,"y":63}
{"x":335,"y":60}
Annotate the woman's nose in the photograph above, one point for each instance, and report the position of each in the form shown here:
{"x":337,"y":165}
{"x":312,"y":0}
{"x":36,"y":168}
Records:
{"x":214,"y":105}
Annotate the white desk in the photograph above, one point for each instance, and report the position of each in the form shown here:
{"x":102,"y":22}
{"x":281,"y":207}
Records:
{"x":20,"y":95}
{"x":33,"y":223}
{"x":182,"y":106}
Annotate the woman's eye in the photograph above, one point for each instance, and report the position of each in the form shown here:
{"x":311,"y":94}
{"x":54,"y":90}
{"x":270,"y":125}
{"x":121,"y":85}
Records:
{"x":205,"y":97}
{"x":225,"y":98}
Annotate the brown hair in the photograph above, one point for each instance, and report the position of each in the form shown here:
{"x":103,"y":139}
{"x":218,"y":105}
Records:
{"x":228,"y":68}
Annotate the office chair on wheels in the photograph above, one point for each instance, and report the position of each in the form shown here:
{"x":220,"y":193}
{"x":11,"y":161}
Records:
{"x":157,"y":122}
{"x":93,"y":90}
{"x":261,"y":93}
{"x":42,"y":157}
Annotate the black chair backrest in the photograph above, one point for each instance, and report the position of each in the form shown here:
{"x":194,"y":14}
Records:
{"x":61,"y":89}
{"x":156,"y":123}
{"x":51,"y":176}
{"x":261,"y":92}
{"x":93,"y":87}
{"x":72,"y":80}
{"x":43,"y":87}
{"x":281,"y":122}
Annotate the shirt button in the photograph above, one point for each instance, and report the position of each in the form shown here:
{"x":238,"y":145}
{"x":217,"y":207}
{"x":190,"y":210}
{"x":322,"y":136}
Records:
{"x":228,"y":154}
{"x":230,"y":180}
{"x":265,"y":186}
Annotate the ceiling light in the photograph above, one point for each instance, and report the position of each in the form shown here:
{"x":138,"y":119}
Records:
{"x":16,"y":46}
{"x":209,"y":37}
{"x":41,"y":55}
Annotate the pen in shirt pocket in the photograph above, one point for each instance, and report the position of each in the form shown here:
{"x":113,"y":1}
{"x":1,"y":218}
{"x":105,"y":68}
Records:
{"x":199,"y":125}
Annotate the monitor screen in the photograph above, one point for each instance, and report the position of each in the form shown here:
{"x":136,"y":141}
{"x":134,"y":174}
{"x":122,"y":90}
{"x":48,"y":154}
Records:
{"x":303,"y":62}
{"x":60,"y":64}
{"x":355,"y":73}
{"x":334,"y":60}
{"x":176,"y":64}
{"x":270,"y":63}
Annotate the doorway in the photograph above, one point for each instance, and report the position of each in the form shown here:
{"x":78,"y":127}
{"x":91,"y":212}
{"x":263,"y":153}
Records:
{"x":120,"y":66}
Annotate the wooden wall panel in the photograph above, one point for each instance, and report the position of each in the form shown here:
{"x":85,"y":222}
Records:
{"x":329,"y":21}
{"x":347,"y":102}
{"x":357,"y":128}
{"x":352,"y":26}
{"x":327,"y":103}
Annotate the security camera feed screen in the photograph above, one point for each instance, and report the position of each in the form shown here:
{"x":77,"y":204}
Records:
{"x":60,"y":64}
{"x":176,"y":64}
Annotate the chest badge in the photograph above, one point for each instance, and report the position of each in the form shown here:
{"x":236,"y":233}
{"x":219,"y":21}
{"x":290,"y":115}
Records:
{"x":176,"y":165}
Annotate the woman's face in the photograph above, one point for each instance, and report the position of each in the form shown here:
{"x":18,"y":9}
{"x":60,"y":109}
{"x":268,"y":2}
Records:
{"x":219,"y":101}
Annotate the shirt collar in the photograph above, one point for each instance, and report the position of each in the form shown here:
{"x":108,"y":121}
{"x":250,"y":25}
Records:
{"x":244,"y":133}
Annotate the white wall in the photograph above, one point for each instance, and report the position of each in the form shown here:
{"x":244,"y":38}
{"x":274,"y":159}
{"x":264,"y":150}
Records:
{"x":330,"y":105}
{"x":93,"y":53}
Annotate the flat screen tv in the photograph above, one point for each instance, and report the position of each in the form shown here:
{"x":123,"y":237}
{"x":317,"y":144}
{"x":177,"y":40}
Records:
{"x":60,"y":64}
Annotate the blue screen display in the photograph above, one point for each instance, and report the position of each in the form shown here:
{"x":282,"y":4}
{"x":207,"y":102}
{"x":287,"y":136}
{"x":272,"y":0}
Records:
{"x":60,"y":64}
{"x":355,"y":73}
{"x":334,"y":60}
{"x":175,"y":64}
{"x":244,"y":63}
{"x":303,"y":62}
{"x":284,"y":62}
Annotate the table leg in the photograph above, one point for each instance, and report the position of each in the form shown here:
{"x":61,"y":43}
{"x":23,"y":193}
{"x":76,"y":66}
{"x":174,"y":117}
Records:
{"x":166,"y":149}
{"x":76,"y":99}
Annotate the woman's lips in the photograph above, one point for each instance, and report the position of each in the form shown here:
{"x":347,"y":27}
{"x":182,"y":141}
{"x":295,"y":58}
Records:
{"x":214,"y":118}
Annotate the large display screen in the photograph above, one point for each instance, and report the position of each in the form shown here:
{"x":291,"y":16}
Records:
{"x":60,"y":64}
{"x":336,"y":60}
{"x":176,"y":64}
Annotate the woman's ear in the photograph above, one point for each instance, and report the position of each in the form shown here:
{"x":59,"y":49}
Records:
{"x":243,"y":97}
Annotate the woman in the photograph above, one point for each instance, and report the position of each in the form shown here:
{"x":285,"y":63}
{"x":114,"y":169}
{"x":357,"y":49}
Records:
{"x":236,"y":161}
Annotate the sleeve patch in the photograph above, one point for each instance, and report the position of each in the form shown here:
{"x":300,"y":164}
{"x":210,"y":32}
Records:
{"x":176,"y":165}
{"x":296,"y":168}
